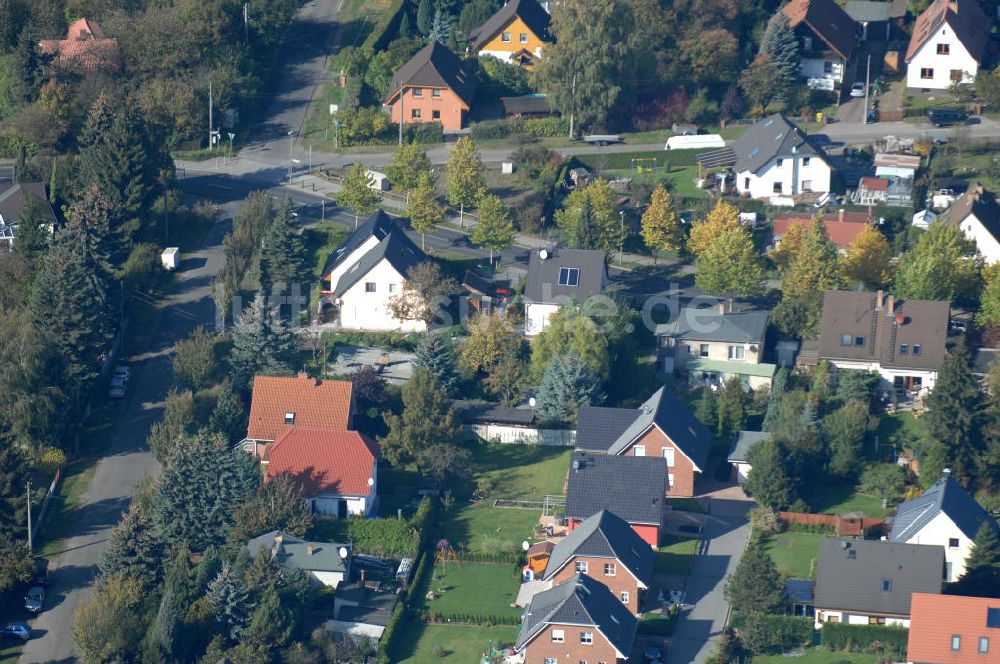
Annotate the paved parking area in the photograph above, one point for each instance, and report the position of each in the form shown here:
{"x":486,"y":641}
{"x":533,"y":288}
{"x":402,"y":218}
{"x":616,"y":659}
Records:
{"x":351,"y":358}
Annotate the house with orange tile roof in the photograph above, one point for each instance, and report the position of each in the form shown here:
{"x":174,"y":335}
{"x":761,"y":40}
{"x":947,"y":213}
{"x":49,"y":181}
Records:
{"x":948,"y":44}
{"x":282,"y":403}
{"x":952,"y":629}
{"x":86,"y":48}
{"x":842,"y":228}
{"x":336,"y":470}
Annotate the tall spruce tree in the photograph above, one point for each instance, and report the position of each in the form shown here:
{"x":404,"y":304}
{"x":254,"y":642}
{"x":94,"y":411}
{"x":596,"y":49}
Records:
{"x":585,"y":229}
{"x":231,"y":602}
{"x":229,"y":417}
{"x":732,"y":409}
{"x":15,"y":470}
{"x":436,"y":354}
{"x":133,"y":550}
{"x":782,"y":47}
{"x":282,"y":254}
{"x":440,"y":28}
{"x":261,"y":342}
{"x":985,"y":548}
{"x":768,"y":481}
{"x":955,"y":413}
{"x":755,"y":585}
{"x":424,"y":16}
{"x":566,"y":386}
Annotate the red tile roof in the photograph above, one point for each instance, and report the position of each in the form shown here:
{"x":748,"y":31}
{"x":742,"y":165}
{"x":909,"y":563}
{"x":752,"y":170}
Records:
{"x":934,"y":619}
{"x":313,"y":404}
{"x":842,"y":228}
{"x":874,"y":184}
{"x":85,"y":46}
{"x":337,"y":462}
{"x":966,"y":18}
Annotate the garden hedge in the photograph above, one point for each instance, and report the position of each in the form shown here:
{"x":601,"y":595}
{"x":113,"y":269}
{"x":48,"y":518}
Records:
{"x":779,"y":632}
{"x":857,"y":638}
{"x":387,"y":29}
{"x":619,"y":160}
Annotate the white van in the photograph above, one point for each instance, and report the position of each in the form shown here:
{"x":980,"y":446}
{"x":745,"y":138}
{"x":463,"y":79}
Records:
{"x":695,"y":142}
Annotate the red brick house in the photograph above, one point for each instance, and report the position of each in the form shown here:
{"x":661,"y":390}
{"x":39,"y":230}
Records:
{"x":337,"y":470}
{"x":631,"y":487}
{"x":86,"y":48}
{"x":432,"y":86}
{"x":662,"y":427}
{"x":952,"y":629}
{"x":576,"y":621}
{"x":282,"y":403}
{"x":605,"y":548}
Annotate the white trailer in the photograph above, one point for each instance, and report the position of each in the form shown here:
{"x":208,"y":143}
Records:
{"x":170,"y":258}
{"x":695,"y":142}
{"x":379,"y":181}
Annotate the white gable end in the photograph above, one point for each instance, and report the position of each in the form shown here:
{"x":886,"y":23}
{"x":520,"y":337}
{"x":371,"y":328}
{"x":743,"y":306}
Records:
{"x":942,"y":58}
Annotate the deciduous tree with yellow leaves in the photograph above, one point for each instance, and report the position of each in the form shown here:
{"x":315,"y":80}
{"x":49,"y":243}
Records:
{"x":661,"y":227}
{"x":723,"y":217}
{"x":868,"y":259}
{"x":815,"y":267}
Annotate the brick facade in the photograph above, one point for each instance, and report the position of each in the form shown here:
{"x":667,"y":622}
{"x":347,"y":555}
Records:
{"x":681,"y":473}
{"x":570,"y":650}
{"x":420,"y":104}
{"x":621,"y":581}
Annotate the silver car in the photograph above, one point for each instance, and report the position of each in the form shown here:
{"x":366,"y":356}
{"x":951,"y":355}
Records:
{"x":35,"y":599}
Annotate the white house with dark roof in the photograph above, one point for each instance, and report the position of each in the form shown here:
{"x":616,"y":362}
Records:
{"x":977,"y":213}
{"x":946,"y":516}
{"x":558,"y":276}
{"x":14,"y":198}
{"x":327,"y":564}
{"x":826,"y":40}
{"x":739,"y":453}
{"x":948,"y":44}
{"x":369,"y":269}
{"x":712,"y":345}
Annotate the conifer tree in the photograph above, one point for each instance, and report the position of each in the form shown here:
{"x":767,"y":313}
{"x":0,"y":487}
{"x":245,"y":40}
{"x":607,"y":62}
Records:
{"x":271,"y":623}
{"x":732,"y":409}
{"x":566,"y":386}
{"x":229,"y":417}
{"x":427,"y":419}
{"x":985,"y":548}
{"x":15,"y":470}
{"x":165,"y":629}
{"x":282,"y":254}
{"x":707,"y":410}
{"x":133,"y":550}
{"x":440,"y":28}
{"x":584,"y":231}
{"x":424,"y":16}
{"x":768,"y":481}
{"x":955,"y":413}
{"x":231,"y":602}
{"x":782,"y":47}
{"x":755,"y":585}
{"x":436,"y":354}
{"x":261,"y":342}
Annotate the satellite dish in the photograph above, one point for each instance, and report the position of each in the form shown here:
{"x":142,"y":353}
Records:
{"x":525,"y":546}
{"x":343,"y":552}
{"x":531,"y":402}
{"x":543,"y":253}
{"x":576,"y":464}
{"x":371,"y":481}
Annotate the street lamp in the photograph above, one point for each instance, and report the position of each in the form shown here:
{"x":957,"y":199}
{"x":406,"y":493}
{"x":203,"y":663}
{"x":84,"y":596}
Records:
{"x":621,"y":247}
{"x":291,"y":144}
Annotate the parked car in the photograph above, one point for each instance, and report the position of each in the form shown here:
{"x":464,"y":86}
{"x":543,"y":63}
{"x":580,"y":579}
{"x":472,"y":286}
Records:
{"x":944,"y":117}
{"x":117,"y":388}
{"x":35,"y":599}
{"x":858,"y":89}
{"x":15,"y":630}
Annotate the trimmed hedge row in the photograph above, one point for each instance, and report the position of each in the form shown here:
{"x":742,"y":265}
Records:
{"x":616,"y":160}
{"x":771,"y":633}
{"x":860,"y":638}
{"x":497,"y":558}
{"x":467,"y":618}
{"x":538,"y":127}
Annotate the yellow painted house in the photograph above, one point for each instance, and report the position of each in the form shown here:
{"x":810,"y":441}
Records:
{"x":517,"y":32}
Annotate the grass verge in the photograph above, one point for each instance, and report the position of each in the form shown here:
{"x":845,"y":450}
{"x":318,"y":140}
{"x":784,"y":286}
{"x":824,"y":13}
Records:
{"x":418,"y":643}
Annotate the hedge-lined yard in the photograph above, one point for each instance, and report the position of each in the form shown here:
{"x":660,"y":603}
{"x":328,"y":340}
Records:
{"x":469,"y":589}
{"x":417,"y":643}
{"x":794,"y":552}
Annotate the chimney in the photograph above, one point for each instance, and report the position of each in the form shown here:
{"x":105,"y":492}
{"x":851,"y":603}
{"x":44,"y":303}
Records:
{"x":879,"y":300}
{"x":309,"y":549}
{"x":946,"y":472}
{"x":840,"y":215}
{"x":890,"y":305}
{"x":303,"y":374}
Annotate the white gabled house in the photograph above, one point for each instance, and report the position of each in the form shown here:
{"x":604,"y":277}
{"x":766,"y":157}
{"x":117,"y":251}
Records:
{"x":774,"y":158}
{"x":827,"y":36}
{"x":977,"y":213}
{"x":557,"y":276}
{"x":368,"y":270}
{"x":948,"y":44}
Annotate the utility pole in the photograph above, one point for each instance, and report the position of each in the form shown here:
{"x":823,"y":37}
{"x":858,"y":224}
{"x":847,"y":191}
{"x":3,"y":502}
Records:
{"x":401,"y":113}
{"x":572,"y":113}
{"x":291,"y":143}
{"x":868,"y":74}
{"x":30,"y":543}
{"x":310,"y":158}
{"x":621,"y":247}
{"x":211,"y":129}
{"x":246,"y":23}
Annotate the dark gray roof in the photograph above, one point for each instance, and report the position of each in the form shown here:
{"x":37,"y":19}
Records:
{"x":984,"y":359}
{"x":673,"y":417}
{"x":293,"y":553}
{"x":743,"y":442}
{"x":542,"y":285}
{"x":396,"y":248}
{"x":597,"y":426}
{"x":435,"y":66}
{"x":529,"y":11}
{"x":580,"y":601}
{"x":631,"y":487}
{"x":772,"y":137}
{"x":946,"y":496}
{"x":975,"y":201}
{"x":470,"y":411}
{"x":535,"y":104}
{"x":15,"y":195}
{"x":867,"y":11}
{"x":605,"y":535}
{"x":799,"y":591}
{"x":359,"y":604}
{"x":851,"y":575}
{"x":710,"y":325}
{"x":378,"y":225}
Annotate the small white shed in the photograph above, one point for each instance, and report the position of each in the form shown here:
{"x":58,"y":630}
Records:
{"x":170,"y":258}
{"x":380,"y":182}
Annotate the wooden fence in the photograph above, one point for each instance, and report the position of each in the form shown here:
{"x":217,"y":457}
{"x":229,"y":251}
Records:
{"x":845,"y":525}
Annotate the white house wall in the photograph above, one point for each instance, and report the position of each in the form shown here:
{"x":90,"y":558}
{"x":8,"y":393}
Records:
{"x":985,"y":242}
{"x":816,"y":68}
{"x":327,"y":579}
{"x":888,"y":376}
{"x":927,"y":58}
{"x":351,"y":259}
{"x":792,"y":173}
{"x":508,"y":56}
{"x":536,"y":317}
{"x":361,"y":310}
{"x":373,"y":632}
{"x":937,"y":533}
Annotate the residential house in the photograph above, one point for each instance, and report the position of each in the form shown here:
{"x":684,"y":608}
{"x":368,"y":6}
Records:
{"x":281,"y":403}
{"x":361,"y":611}
{"x":826,"y":39}
{"x":873,"y":17}
{"x":14,"y":196}
{"x":713,"y":345}
{"x":947,"y":45}
{"x":842,"y":229}
{"x":579,"y":620}
{"x":433,"y":86}
{"x":864,"y":582}
{"x":774,"y":158}
{"x":977,"y":213}
{"x":799,"y":593}
{"x":924,"y":219}
{"x":902,"y":340}
{"x":516,"y":33}
{"x":336,"y":470}
{"x":739,"y":453}
{"x":946,"y":516}
{"x":896,"y":165}
{"x":631,"y":487}
{"x":662,"y":427}
{"x":952,"y":629}
{"x":527,"y":106}
{"x":85,"y":49}
{"x":605,"y":548}
{"x":557,"y":276}
{"x":364,"y":274}
{"x":326,"y":563}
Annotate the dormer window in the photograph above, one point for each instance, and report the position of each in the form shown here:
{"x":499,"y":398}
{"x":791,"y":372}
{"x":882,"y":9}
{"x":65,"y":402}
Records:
{"x":886,"y":585}
{"x":289,"y":418}
{"x":569,"y":276}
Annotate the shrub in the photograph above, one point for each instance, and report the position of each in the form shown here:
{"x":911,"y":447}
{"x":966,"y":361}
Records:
{"x":764,"y":521}
{"x":350,"y":99}
{"x":490,"y":129}
{"x":383,"y":340}
{"x":383,"y":537}
{"x":52,"y":459}
{"x":423,"y":132}
{"x":530,"y":215}
{"x":861,"y":638}
{"x":142,"y":267}
{"x":546,"y":127}
{"x":772,"y":633}
{"x":382,"y":655}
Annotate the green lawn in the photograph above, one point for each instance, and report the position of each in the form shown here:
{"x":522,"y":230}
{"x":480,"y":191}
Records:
{"x":322,"y":239}
{"x":677,"y":556}
{"x":902,"y":428}
{"x":460,"y":644}
{"x":471,"y":588}
{"x":484,"y":529}
{"x":840,"y":498}
{"x":794,"y":552}
{"x":811,"y":656}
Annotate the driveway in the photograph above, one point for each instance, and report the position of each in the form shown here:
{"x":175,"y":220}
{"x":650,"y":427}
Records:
{"x":722,"y":545}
